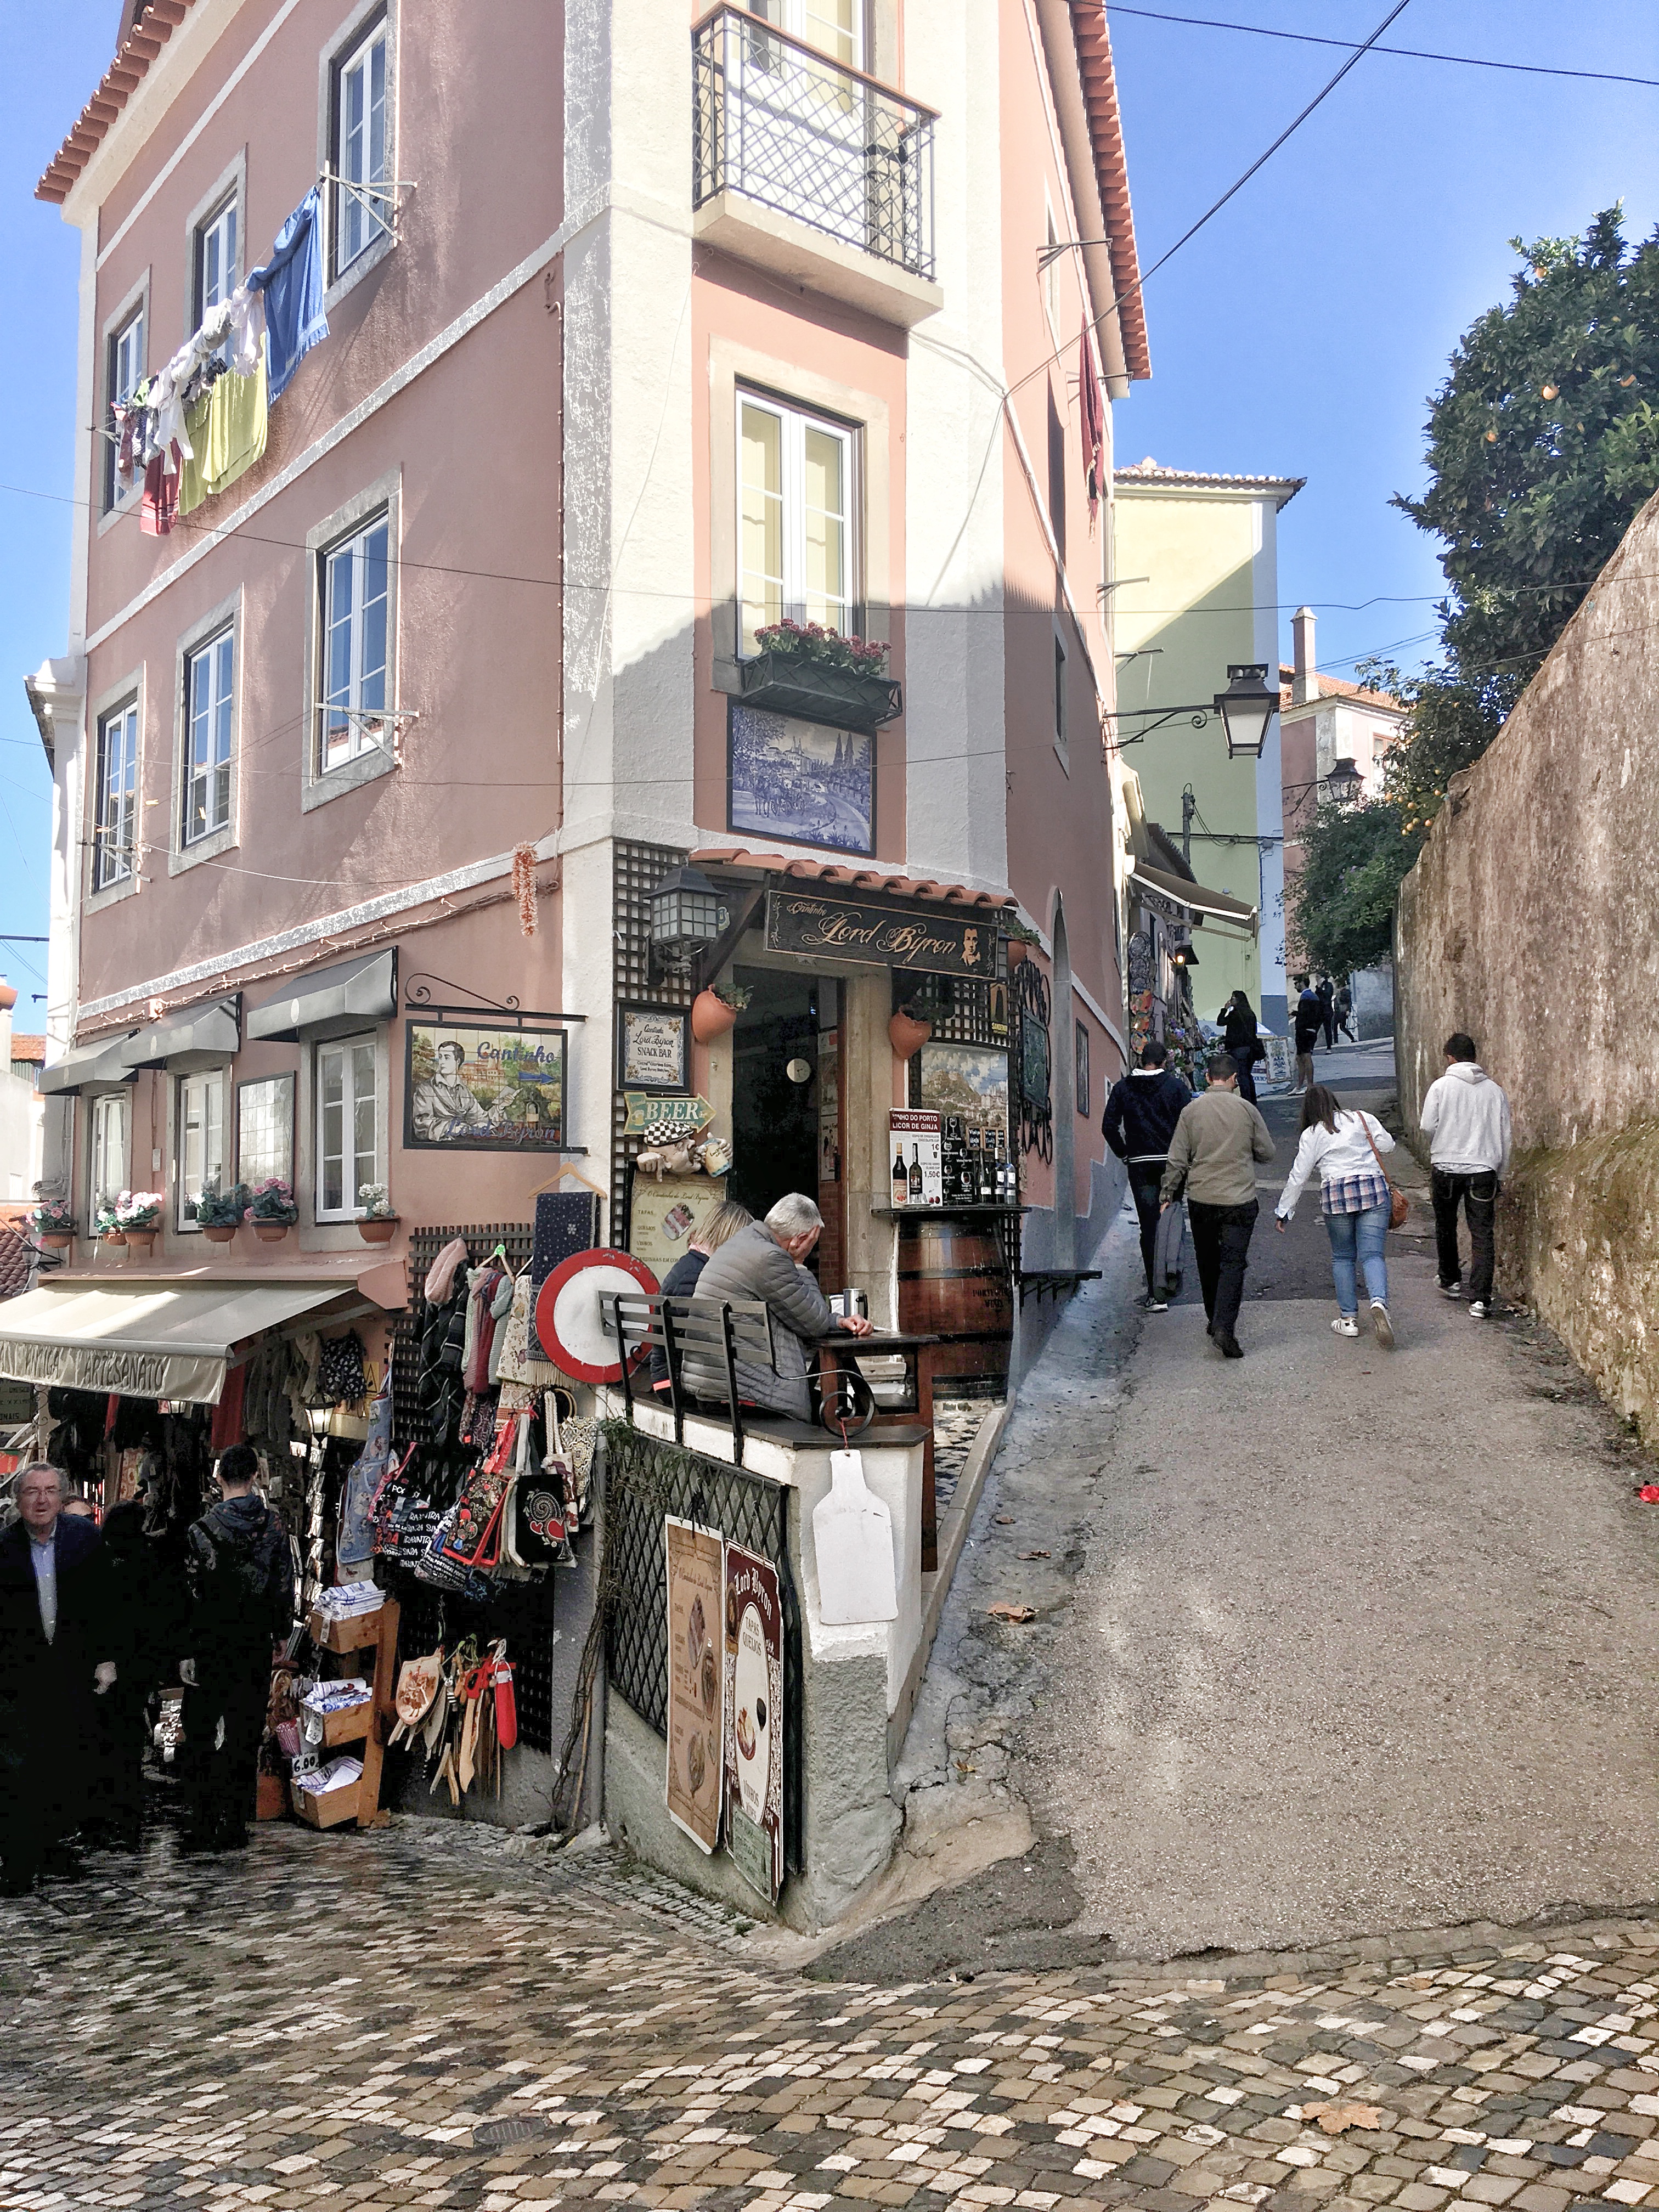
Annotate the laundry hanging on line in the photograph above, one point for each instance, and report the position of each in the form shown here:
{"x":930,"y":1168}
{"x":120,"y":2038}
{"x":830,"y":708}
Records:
{"x":292,"y":283}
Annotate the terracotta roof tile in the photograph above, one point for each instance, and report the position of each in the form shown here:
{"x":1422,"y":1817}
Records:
{"x":1094,"y":54}
{"x":852,"y":875}
{"x":137,"y":50}
{"x":1333,"y":687}
{"x":15,"y":1258}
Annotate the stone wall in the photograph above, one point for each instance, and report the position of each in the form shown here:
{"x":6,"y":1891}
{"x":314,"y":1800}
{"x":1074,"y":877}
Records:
{"x":1530,"y":921}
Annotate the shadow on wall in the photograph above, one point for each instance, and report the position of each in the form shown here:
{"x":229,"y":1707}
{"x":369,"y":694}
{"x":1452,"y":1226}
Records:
{"x":1529,"y":921}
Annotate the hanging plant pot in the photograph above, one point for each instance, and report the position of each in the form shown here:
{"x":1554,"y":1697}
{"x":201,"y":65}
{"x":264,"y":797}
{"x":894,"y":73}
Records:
{"x":845,"y":698}
{"x":141,"y":1241}
{"x":1017,"y":950}
{"x":907,"y":1035}
{"x":219,"y":1232}
{"x":54,"y":1241}
{"x":114,"y":1237}
{"x":378,"y":1228}
{"x":711,"y":1016}
{"x":271,"y":1233}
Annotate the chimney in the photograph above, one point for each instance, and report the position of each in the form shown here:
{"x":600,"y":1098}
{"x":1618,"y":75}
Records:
{"x":1305,"y":682}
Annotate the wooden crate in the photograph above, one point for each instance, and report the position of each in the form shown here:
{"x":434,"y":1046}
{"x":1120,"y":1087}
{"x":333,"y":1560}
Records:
{"x":343,"y":1637}
{"x":329,"y":1809}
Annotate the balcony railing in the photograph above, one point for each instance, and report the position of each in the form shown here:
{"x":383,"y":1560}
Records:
{"x":781,"y":124}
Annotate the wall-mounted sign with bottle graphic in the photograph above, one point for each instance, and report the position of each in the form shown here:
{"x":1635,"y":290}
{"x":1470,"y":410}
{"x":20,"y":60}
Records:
{"x":916,"y":1142}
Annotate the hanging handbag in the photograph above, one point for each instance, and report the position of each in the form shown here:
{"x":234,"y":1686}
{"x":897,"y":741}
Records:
{"x":1400,"y":1207}
{"x":340,"y":1377}
{"x":474,"y":1538}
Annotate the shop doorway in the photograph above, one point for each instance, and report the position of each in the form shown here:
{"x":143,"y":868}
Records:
{"x":785,"y":1101}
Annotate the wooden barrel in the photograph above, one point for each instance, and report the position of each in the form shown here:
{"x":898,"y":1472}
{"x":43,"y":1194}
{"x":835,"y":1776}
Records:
{"x":953,"y":1284}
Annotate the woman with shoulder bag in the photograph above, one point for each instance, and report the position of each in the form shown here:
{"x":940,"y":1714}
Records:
{"x":1347,"y":1146}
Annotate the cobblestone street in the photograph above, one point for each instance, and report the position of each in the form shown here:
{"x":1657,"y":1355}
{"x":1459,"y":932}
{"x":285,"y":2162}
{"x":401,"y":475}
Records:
{"x":419,"y":2017}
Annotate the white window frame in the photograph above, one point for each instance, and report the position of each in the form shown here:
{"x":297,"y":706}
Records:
{"x":208,"y":232}
{"x":371,"y":23}
{"x":797,"y":18}
{"x":363,"y":757}
{"x":203,"y":1095}
{"x":103,"y":1108}
{"x":126,"y":347}
{"x":337,"y":747}
{"x":215,"y":656}
{"x":795,"y":422}
{"x":114,"y":858}
{"x":346,"y":1049}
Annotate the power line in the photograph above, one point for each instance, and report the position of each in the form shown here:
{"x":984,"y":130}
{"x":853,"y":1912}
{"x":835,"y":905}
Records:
{"x":1408,"y":53}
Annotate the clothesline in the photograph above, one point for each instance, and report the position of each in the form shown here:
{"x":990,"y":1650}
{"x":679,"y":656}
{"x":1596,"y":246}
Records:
{"x":200,"y":421}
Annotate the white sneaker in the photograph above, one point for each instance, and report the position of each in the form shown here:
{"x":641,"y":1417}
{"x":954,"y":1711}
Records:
{"x":1346,"y":1325}
{"x":1381,"y":1324}
{"x":1451,"y":1290}
{"x":1480,"y":1310}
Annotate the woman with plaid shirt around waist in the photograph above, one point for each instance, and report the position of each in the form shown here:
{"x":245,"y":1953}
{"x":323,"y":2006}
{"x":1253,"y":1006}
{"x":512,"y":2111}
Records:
{"x":1337,"y":1139}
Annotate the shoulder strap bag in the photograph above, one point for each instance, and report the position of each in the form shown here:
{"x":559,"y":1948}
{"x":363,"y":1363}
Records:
{"x":1400,"y":1207}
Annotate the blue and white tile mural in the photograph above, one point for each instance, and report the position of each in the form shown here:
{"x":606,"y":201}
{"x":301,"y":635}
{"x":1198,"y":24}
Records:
{"x":802,"y":782}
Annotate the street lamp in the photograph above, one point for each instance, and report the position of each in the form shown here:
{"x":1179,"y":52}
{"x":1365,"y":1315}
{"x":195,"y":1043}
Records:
{"x":1345,"y":782}
{"x":687,"y":913}
{"x":1246,"y":707}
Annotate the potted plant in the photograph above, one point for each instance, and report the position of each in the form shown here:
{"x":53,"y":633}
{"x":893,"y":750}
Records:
{"x":105,"y":1226}
{"x":54,"y":1223}
{"x":804,"y":669}
{"x":138,"y":1217}
{"x":715,"y":1010}
{"x":377,"y":1224}
{"x":219,"y":1213}
{"x":1018,"y":939}
{"x":271,"y":1209}
{"x":907,"y":1032}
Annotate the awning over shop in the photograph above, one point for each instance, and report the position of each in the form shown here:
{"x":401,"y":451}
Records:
{"x":151,"y":1340}
{"x":202,"y":1038}
{"x":330,"y":1001}
{"x":99,"y":1067}
{"x":1194,"y":896}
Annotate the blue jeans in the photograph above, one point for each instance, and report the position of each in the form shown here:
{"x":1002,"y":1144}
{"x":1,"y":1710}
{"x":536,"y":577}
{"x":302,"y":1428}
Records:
{"x":1364,"y":1235}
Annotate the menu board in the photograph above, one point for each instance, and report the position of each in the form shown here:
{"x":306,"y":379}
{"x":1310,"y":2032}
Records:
{"x":914,"y":1141}
{"x":754,"y":1720}
{"x":697,"y":1770}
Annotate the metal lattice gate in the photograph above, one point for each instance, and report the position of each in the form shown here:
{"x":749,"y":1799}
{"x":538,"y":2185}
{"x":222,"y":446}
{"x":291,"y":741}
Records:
{"x":645,"y":1482}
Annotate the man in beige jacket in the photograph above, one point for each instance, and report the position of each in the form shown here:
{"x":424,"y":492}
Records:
{"x":1212,"y":1155}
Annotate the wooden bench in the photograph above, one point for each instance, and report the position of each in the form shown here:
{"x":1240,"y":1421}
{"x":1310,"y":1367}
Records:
{"x":702,"y":1343}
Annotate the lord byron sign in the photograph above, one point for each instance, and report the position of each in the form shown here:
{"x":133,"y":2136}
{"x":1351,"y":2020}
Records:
{"x":939,"y":940}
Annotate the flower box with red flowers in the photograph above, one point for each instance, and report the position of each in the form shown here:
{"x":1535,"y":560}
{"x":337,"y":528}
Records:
{"x":805,"y":669}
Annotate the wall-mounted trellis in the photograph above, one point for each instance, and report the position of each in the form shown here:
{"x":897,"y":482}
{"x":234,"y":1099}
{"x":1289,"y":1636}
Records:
{"x":1034,"y":1060}
{"x":636,"y":870}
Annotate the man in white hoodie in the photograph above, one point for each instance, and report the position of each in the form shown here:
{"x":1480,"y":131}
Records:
{"x":1466,"y":1118}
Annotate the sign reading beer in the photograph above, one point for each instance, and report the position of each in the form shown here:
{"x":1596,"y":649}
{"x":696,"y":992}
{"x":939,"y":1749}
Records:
{"x":938,"y":940}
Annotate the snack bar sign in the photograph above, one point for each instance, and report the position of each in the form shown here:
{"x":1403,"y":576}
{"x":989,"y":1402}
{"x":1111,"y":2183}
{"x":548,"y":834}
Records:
{"x":939,"y":941}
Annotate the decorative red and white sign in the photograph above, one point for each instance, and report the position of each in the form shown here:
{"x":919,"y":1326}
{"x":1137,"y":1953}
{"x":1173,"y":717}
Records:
{"x":573,"y":1321}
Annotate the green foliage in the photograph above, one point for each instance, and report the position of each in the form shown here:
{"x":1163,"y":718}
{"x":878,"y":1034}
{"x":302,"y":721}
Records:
{"x":1543,"y":444}
{"x":1340,"y":908}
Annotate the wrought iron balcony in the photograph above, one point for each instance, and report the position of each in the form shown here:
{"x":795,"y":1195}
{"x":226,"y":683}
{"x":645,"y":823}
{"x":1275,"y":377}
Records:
{"x":781,"y":124}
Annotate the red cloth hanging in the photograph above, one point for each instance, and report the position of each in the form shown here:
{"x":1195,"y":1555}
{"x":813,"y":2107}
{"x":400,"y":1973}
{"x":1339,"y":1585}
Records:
{"x":1092,"y":414}
{"x":158,"y":509}
{"x":228,"y":1414}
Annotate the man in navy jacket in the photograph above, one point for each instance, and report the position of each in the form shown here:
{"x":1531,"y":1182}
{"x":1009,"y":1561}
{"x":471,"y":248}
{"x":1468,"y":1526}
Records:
{"x":1141,"y":1111}
{"x":53,"y":1624}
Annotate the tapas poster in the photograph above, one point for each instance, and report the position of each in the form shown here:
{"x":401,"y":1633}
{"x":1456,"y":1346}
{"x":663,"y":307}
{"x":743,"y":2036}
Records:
{"x":754,"y":1720}
{"x":695,"y":1707}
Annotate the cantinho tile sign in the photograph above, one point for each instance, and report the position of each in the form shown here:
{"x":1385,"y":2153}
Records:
{"x":940,"y":942}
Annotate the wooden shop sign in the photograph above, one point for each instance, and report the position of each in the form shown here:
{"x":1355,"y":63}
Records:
{"x":938,"y":940}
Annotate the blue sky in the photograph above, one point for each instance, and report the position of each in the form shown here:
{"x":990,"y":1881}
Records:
{"x":1299,"y":335}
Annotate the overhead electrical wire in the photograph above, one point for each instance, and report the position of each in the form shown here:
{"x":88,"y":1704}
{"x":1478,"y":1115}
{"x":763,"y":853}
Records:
{"x":1408,"y":53}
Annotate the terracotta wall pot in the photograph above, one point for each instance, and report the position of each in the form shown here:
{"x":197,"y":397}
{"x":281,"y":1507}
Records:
{"x":271,"y":1233}
{"x":711,"y":1016}
{"x":54,"y":1243}
{"x":112,"y":1237}
{"x":141,"y":1241}
{"x":380,"y":1229}
{"x":218,"y":1233}
{"x":1017,"y":949}
{"x":907,"y":1035}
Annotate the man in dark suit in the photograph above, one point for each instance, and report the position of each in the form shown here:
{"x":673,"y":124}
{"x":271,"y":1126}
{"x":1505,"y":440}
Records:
{"x":53,"y":1622}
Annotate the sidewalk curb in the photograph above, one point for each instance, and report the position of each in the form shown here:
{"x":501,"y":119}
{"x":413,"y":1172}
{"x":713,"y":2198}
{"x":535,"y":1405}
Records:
{"x":952,"y":1537}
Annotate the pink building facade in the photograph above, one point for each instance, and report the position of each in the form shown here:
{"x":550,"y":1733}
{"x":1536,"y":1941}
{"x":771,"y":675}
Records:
{"x":643,"y":333}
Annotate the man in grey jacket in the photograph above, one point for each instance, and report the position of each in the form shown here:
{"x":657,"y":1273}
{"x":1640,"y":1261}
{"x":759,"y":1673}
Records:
{"x":765,"y":1262}
{"x":1466,"y":1119}
{"x":1212,"y":1155}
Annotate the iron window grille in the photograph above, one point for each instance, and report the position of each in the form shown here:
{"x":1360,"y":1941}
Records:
{"x":781,"y":124}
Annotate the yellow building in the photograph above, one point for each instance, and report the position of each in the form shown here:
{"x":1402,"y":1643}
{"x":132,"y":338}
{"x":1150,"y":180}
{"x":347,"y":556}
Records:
{"x":1195,"y":561}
